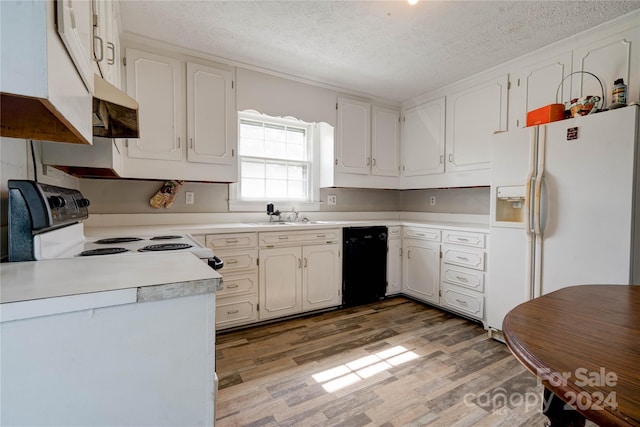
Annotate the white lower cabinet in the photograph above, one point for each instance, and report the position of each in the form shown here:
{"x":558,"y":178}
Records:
{"x":294,"y":278}
{"x":320,"y":267}
{"x":463,"y":273}
{"x":237,"y":302}
{"x":394,"y":261}
{"x":280,"y":282}
{"x":421,"y":265}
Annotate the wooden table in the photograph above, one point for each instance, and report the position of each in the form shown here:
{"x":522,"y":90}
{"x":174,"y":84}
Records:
{"x":583,"y":343}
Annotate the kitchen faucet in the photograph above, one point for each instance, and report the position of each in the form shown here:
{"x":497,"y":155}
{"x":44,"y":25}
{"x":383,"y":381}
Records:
{"x":272,"y":212}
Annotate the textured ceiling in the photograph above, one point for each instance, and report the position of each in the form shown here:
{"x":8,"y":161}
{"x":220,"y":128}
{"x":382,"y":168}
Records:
{"x":387,"y":49}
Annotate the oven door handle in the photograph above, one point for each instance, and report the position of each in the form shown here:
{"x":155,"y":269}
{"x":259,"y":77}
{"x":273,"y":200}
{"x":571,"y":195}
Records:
{"x":215,"y":263}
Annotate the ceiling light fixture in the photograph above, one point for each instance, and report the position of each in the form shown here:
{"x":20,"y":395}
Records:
{"x":412,"y":2}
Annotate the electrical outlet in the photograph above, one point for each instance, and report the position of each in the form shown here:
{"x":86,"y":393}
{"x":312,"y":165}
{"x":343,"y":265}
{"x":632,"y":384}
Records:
{"x":332,"y":200}
{"x":190,"y":197}
{"x":432,"y":200}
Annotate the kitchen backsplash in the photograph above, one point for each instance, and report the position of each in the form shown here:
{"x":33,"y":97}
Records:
{"x":132,"y":196}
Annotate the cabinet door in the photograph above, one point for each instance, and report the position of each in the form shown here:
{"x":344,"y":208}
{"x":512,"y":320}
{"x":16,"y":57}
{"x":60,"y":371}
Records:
{"x":210,"y":118}
{"x":609,"y":59}
{"x":394,"y":266}
{"x":280,"y":282}
{"x":537,"y":85}
{"x":421,"y":270}
{"x":473,"y":116}
{"x":74,"y":21}
{"x":320,"y":277}
{"x":156,"y":83}
{"x":385,"y":141}
{"x":353,"y":142}
{"x":106,"y":45}
{"x":423,"y":139}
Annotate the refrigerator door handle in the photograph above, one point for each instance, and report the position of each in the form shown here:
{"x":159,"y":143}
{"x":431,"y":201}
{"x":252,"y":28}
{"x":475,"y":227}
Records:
{"x":542,"y":139}
{"x":528,"y":206}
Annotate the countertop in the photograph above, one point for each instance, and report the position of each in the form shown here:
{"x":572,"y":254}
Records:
{"x":94,"y":282}
{"x":240,"y":227}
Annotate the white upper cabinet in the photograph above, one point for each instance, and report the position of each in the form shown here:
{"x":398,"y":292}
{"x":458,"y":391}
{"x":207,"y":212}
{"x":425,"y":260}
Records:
{"x":106,"y":42}
{"x":188,"y":122}
{"x":353,"y":145}
{"x":209,"y":104}
{"x":610,"y":59}
{"x":473,"y":116}
{"x":424,"y":139}
{"x":155,"y":82}
{"x":385,"y":141}
{"x":538,"y":84}
{"x":74,"y":20}
{"x":367,"y":147}
{"x":47,"y":75}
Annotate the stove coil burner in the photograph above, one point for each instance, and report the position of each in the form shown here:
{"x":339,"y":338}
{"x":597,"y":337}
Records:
{"x":103,"y":251}
{"x":168,"y":237}
{"x":165,"y":247}
{"x":114,"y":240}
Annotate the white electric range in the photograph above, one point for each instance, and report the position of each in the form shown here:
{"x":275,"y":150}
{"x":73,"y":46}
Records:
{"x":45,"y":223}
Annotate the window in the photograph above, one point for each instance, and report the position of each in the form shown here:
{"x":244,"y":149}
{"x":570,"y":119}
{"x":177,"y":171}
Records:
{"x":275,"y":163}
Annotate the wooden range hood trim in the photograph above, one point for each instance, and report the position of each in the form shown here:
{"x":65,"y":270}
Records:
{"x":35,"y":118}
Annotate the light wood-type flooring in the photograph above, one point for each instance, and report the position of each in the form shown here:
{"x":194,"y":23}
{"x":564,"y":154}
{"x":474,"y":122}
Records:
{"x":393,"y":363}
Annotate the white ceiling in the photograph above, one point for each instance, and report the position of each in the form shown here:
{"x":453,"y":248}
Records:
{"x":387,"y":49}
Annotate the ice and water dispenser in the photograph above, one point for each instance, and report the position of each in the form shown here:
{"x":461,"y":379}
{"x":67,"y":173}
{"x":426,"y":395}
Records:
{"x":510,"y":204}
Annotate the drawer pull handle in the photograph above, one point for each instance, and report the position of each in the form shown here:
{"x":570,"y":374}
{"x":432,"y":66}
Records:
{"x":283,"y":237}
{"x":233,"y":311}
{"x":232,"y":240}
{"x":462,"y":279}
{"x":234,"y":286}
{"x":420,"y":234}
{"x":232,"y":261}
{"x":321,"y":235}
{"x":463,"y":258}
{"x":461,"y":302}
{"x":462,"y":239}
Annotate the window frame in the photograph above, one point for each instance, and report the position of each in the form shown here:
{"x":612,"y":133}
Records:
{"x":237,"y":203}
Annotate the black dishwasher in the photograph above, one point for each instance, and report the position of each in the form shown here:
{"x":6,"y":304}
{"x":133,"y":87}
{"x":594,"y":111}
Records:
{"x":364,"y":265}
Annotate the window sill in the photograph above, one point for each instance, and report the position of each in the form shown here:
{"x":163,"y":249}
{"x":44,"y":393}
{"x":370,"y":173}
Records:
{"x":284,"y":206}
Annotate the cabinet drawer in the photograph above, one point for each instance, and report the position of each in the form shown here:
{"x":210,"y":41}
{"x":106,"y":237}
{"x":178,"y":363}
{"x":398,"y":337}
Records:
{"x":234,"y":240}
{"x":423,"y":234}
{"x":236,"y":311}
{"x":461,"y":276}
{"x":463,"y":256}
{"x":235,"y":284}
{"x":394,"y":231}
{"x":243,"y":259}
{"x":284,"y":238}
{"x":476,"y":240}
{"x":464,"y":301}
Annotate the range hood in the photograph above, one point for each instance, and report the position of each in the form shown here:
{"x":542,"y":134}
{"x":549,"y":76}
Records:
{"x":115,"y":114}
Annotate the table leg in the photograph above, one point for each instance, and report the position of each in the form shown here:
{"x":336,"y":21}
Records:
{"x":560,"y":414}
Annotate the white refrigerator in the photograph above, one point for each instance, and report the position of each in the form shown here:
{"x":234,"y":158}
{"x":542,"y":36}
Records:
{"x":563,"y":208}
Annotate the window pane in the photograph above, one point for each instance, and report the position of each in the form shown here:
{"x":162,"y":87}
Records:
{"x":276,"y":188}
{"x":275,"y":150}
{"x":252,"y":188}
{"x":274,"y":133}
{"x":295,"y":172}
{"x":251,"y":147}
{"x":297,"y":190}
{"x":276,"y":171}
{"x":251,"y":169}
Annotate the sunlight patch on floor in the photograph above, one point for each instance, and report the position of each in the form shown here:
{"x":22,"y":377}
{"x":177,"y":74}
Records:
{"x":344,"y":375}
